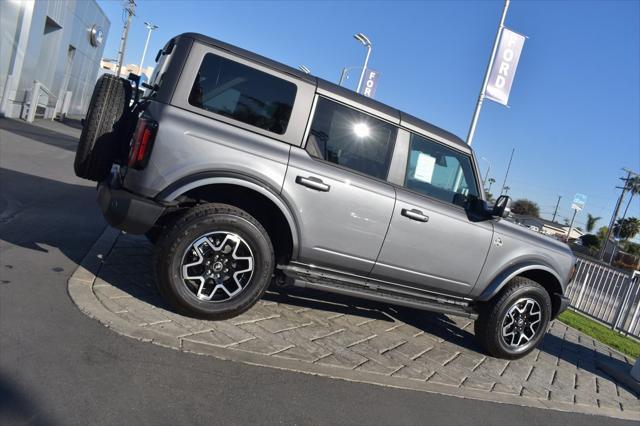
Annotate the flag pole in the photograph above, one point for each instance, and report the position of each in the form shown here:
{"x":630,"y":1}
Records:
{"x":476,"y":113}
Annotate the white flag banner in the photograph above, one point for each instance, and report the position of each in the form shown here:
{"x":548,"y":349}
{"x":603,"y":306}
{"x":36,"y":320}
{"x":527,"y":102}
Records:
{"x":504,"y":66}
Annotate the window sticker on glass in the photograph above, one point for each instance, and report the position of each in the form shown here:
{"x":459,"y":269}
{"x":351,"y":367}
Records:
{"x":424,"y":168}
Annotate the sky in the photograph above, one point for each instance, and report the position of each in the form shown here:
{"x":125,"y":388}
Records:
{"x":574,"y":110}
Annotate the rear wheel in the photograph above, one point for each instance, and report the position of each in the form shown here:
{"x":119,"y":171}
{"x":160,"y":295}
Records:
{"x":214,"y":262}
{"x":513,"y":323}
{"x":105,"y":128}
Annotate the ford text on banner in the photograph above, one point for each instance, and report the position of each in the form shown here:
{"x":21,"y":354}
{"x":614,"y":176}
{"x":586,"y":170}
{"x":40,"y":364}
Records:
{"x":504,"y":66}
{"x":370,"y":82}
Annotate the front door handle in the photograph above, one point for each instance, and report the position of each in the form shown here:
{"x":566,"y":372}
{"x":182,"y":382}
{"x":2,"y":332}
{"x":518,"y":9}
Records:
{"x":313,"y":183}
{"x":415,"y":214}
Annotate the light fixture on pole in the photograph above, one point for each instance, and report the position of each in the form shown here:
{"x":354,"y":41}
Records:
{"x":367,"y":43}
{"x":304,"y":69}
{"x":150,"y":27}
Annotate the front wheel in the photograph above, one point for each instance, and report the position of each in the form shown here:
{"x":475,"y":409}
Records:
{"x":513,"y":323}
{"x":213,"y":262}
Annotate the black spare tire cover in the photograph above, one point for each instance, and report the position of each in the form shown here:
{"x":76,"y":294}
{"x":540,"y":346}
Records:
{"x":105,"y":128}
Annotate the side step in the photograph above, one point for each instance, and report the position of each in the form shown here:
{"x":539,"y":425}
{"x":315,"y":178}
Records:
{"x":309,"y":277}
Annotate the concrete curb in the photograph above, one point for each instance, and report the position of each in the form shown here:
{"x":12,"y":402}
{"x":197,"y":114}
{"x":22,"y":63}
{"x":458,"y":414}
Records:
{"x":80,"y":288}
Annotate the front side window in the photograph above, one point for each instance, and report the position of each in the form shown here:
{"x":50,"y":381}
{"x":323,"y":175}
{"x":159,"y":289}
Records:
{"x":243,"y":93}
{"x":352,"y":139}
{"x":440,"y":172}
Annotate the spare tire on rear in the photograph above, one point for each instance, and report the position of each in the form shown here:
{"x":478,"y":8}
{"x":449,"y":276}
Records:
{"x":105,"y":128}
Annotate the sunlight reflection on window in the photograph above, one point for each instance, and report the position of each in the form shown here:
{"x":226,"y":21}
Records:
{"x":361,"y":130}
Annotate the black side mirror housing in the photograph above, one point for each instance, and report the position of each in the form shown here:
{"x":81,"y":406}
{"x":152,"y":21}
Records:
{"x":502,"y":207}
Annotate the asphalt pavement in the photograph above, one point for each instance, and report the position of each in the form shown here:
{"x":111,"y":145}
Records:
{"x":57,"y":366}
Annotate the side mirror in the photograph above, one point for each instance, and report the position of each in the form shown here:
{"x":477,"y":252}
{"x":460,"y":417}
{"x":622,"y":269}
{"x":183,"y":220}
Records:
{"x":502,"y":207}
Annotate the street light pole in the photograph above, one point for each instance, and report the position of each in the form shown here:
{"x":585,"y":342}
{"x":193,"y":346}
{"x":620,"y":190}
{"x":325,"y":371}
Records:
{"x":476,"y":113}
{"x":150,"y":27}
{"x":575,"y":211}
{"x":367,"y":43}
{"x":484,"y":181}
{"x":343,"y":74}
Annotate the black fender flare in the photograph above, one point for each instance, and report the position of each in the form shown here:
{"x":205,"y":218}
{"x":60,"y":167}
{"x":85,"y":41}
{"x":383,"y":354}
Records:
{"x":502,"y":278}
{"x":183,"y":185}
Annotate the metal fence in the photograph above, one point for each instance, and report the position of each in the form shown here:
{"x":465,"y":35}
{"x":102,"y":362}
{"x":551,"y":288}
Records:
{"x":608,"y":295}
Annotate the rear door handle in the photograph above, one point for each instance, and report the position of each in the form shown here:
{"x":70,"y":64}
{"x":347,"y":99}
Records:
{"x":313,"y":183}
{"x":415,"y":214}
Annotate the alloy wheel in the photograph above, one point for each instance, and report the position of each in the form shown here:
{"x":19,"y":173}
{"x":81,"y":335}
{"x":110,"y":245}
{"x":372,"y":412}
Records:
{"x":521,"y":323}
{"x":217,"y":266}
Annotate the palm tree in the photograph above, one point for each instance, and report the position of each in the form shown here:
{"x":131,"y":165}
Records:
{"x":627,"y":228}
{"x":633,"y":186}
{"x":506,"y":190}
{"x":591,"y":222}
{"x":491,"y":182}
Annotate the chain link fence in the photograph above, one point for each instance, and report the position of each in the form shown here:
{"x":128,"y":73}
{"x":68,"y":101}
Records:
{"x":608,"y":295}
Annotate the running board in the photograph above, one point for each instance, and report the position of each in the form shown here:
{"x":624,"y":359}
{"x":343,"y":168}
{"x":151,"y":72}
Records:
{"x":309,"y":277}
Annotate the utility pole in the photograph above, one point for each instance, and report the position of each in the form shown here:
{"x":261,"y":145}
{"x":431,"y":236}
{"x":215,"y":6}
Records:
{"x":485,"y":82}
{"x":507,"y":174}
{"x":556,"y":210}
{"x":130,"y":10}
{"x":614,"y":216}
{"x":624,"y":188}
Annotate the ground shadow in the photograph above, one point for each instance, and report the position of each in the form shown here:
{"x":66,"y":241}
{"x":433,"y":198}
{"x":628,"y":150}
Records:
{"x":16,"y":407}
{"x":72,"y":122}
{"x":38,"y":214}
{"x":439,"y":325}
{"x":40,"y":134}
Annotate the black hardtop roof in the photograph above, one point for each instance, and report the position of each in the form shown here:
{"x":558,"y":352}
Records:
{"x":328,"y":86}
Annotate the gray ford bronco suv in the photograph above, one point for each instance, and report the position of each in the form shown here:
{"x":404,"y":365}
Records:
{"x":243,"y":171}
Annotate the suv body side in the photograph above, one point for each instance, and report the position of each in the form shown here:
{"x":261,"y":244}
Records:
{"x":357,"y":226}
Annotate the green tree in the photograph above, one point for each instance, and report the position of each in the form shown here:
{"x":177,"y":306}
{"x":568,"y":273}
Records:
{"x":627,"y":228}
{"x":489,"y":196}
{"x":602,"y":233}
{"x":525,"y":207}
{"x":591,"y":222}
{"x":590,"y":240}
{"x":633,"y":186}
{"x":491,"y":182}
{"x":631,"y":248}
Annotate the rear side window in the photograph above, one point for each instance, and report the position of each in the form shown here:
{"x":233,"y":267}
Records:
{"x":243,"y":93}
{"x":352,"y":139}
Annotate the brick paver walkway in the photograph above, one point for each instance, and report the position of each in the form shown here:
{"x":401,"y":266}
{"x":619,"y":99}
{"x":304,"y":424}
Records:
{"x":358,"y":340}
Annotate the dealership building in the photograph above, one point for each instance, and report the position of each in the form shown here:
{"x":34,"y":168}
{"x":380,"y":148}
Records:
{"x":50,"y":54}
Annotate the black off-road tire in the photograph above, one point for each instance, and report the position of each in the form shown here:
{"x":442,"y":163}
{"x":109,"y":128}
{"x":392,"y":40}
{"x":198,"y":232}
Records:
{"x":161,"y":226}
{"x":488,"y":326}
{"x":182,"y":232}
{"x":104,"y":129}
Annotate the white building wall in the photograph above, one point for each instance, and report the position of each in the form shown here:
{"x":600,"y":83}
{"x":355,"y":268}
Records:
{"x":40,"y":42}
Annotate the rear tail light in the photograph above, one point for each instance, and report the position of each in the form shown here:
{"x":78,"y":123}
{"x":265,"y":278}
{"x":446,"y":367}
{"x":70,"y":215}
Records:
{"x":142,"y":143}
